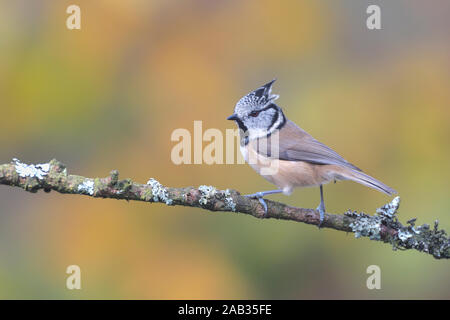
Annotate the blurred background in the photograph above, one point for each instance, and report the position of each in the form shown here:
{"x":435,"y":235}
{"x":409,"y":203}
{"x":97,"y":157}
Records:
{"x":109,"y":96}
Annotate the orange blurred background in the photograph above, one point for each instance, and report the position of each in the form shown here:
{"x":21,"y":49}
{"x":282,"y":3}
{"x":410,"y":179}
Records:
{"x":109,"y":96}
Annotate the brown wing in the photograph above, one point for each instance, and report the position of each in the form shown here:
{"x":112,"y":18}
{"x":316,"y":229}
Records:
{"x":297,"y":145}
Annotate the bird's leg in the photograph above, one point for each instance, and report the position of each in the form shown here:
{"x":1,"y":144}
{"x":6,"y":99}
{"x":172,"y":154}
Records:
{"x":321,"y":207}
{"x":260,"y":195}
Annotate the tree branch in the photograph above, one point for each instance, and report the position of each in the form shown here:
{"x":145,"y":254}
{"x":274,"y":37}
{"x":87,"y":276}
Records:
{"x":384,"y":226}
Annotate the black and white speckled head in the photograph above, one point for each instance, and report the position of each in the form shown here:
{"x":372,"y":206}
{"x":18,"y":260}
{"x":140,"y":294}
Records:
{"x":256,"y":114}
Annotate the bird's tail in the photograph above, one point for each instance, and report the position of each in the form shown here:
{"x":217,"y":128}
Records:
{"x":368,"y":181}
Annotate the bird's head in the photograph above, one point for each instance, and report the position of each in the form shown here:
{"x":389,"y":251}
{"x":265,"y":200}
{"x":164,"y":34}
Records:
{"x":256,"y":113}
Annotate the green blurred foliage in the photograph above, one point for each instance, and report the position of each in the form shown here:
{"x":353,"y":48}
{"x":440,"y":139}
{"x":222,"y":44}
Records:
{"x":108,"y":96}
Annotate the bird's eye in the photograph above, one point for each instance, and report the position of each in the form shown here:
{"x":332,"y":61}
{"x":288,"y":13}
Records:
{"x":254,"y":113}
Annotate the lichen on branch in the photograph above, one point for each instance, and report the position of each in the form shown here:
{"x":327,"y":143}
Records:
{"x":383,"y":226}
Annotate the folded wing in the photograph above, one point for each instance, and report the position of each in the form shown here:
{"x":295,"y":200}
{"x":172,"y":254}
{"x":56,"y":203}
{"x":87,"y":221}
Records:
{"x":295,"y":144}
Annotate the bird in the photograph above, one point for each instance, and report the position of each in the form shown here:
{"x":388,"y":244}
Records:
{"x":285,"y":154}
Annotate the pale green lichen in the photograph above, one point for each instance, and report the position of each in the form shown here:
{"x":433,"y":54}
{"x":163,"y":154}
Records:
{"x":390,"y":208}
{"x":147,"y":194}
{"x":421,"y":238}
{"x":404,"y":235}
{"x":159,"y":192}
{"x":86,"y":187}
{"x":207,"y":193}
{"x":24,"y":170}
{"x":229,"y":202}
{"x":370,"y":226}
{"x":366,"y":226}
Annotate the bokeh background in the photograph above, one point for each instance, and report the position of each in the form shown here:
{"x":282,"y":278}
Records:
{"x":109,"y":96}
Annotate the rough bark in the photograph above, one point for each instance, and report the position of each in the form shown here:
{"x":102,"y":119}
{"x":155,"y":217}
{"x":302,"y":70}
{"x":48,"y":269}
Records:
{"x":383,"y":226}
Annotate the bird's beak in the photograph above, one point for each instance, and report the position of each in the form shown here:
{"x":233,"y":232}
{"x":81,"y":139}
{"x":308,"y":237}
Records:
{"x":233,"y":117}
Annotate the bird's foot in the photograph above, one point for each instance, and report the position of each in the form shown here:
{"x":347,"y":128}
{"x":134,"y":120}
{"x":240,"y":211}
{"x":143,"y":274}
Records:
{"x":321,"y":209}
{"x":259,"y":196}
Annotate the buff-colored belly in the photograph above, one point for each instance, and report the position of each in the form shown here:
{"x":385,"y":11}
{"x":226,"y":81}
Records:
{"x":287,"y":175}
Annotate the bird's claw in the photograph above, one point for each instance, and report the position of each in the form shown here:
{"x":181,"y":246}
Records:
{"x":321,"y":210}
{"x":259,"y":196}
{"x":264,"y":204}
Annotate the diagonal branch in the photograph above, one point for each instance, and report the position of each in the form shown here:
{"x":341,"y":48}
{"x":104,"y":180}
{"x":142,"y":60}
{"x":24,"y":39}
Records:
{"x":384,"y":226}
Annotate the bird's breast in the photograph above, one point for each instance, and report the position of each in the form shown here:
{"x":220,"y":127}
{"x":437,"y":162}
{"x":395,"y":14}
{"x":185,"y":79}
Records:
{"x":244,"y":152}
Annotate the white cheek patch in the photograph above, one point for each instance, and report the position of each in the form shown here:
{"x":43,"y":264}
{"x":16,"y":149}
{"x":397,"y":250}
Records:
{"x":262,"y":125}
{"x":257,"y":133}
{"x":266,"y":116}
